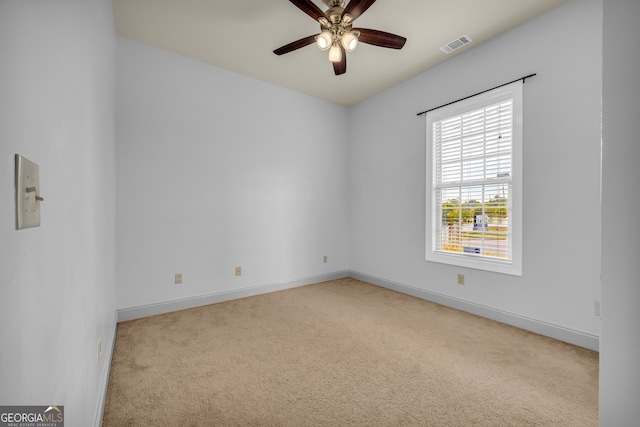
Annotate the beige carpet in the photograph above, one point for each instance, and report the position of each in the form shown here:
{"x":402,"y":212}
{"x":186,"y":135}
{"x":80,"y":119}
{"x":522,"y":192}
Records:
{"x":344,"y":353}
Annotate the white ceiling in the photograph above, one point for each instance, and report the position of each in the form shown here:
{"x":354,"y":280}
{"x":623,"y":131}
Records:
{"x":240,"y":35}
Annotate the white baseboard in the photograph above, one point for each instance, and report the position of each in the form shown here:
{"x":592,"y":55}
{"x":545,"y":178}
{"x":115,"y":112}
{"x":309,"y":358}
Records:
{"x":104,"y":379}
{"x":561,"y":333}
{"x":181,"y":304}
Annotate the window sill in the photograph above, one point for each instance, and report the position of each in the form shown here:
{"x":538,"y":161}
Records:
{"x":470,"y":261}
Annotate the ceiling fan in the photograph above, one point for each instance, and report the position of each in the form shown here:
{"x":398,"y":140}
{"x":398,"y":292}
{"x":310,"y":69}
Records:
{"x":337,"y":34}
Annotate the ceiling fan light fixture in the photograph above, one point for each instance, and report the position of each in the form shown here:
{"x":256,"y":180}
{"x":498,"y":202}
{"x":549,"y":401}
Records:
{"x":350,"y":41}
{"x":337,"y":34}
{"x":324,"y":40}
{"x":335,"y":53}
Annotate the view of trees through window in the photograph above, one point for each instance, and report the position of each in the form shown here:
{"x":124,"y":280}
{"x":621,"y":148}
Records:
{"x":475,"y":224}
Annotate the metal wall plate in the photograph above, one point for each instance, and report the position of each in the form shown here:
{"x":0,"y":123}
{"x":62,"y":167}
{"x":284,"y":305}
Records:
{"x":28,"y":196}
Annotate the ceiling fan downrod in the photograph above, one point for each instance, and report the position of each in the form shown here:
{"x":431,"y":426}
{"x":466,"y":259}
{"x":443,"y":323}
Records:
{"x":333,"y":3}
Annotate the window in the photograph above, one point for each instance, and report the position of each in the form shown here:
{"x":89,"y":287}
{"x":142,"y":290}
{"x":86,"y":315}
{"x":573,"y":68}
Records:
{"x":474,"y":182}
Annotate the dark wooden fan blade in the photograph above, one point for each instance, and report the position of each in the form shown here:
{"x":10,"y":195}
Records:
{"x":308,"y":7}
{"x":380,"y":38}
{"x":295,"y":45}
{"x":341,"y":67}
{"x":356,"y":8}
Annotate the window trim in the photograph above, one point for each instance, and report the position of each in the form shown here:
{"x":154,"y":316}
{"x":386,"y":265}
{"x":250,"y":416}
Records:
{"x":514,"y":266}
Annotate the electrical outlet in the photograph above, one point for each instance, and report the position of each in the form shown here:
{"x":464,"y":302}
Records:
{"x":238,"y":271}
{"x":178,"y":278}
{"x":325,"y":259}
{"x":460,"y":279}
{"x":99,"y":351}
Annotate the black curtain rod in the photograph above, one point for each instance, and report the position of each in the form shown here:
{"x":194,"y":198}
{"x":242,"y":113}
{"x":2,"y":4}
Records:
{"x":479,"y":93}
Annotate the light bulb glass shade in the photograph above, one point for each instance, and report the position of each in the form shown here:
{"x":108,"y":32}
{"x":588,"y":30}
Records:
{"x":347,"y":19}
{"x":349,"y":41}
{"x":335,"y":53}
{"x":323,"y":40}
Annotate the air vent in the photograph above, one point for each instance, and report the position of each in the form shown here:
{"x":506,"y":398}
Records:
{"x":456,"y":44}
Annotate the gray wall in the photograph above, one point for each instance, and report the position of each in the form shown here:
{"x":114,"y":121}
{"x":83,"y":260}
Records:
{"x":620,"y":340}
{"x":217,"y":170}
{"x":561,"y":242}
{"x":57,"y":99}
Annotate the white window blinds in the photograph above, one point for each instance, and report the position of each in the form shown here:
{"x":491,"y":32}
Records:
{"x":472,"y":175}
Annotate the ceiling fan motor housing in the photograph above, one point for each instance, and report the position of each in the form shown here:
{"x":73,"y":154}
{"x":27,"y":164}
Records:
{"x":334,"y":14}
{"x":332,"y":3}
